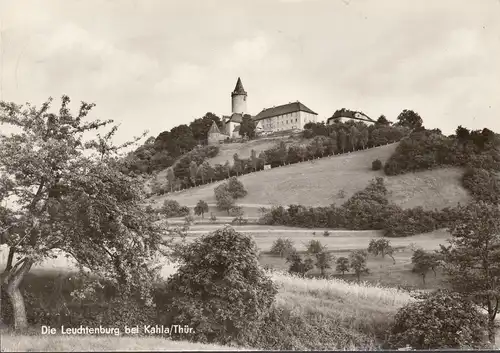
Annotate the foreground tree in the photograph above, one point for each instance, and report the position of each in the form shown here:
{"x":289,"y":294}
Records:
{"x":472,"y":260}
{"x":324,"y":261}
{"x":220,"y":290}
{"x":409,"y":119}
{"x":438,"y":320}
{"x":69,"y":194}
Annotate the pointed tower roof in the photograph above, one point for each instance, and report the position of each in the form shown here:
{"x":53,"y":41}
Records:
{"x":214,"y":129}
{"x":239,"y":88}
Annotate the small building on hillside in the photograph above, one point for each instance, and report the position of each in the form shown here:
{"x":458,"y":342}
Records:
{"x":345,"y":114}
{"x":214,"y":135}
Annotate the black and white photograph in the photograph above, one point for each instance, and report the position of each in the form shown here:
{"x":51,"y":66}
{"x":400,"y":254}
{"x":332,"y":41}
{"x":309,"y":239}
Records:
{"x":249,"y":175}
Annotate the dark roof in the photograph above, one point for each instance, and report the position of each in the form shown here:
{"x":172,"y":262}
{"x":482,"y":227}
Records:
{"x":350,"y":114}
{"x":239,"y":88}
{"x":283,"y":109}
{"x":214,"y":129}
{"x":235,"y":118}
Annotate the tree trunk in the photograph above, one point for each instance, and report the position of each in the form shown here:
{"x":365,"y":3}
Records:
{"x":423,"y":278}
{"x":15,"y":297}
{"x":491,"y":330}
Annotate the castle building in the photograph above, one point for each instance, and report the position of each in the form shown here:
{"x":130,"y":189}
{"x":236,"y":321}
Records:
{"x":291,"y":116}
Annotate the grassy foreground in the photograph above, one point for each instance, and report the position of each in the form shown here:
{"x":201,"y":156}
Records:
{"x":317,"y":314}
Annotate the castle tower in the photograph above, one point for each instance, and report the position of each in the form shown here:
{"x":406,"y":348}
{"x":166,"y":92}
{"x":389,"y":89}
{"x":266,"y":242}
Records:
{"x":239,"y":99}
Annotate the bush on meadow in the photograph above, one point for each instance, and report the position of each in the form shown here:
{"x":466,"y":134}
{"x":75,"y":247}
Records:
{"x":219,"y":289}
{"x":377,"y":164}
{"x":403,"y":223}
{"x":172,"y":208}
{"x":439,"y":320}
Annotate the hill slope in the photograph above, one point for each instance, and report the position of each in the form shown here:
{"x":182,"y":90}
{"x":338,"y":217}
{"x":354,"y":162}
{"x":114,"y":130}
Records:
{"x":318,"y":183}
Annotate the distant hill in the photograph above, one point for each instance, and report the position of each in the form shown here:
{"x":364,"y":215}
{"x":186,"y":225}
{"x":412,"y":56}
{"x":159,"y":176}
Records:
{"x":321,"y":183}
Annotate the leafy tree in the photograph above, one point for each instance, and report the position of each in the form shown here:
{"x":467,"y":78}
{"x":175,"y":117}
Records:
{"x":171,"y":178}
{"x":182,"y":138}
{"x":282,"y":247}
{"x":472,"y":260}
{"x":254,"y":159}
{"x":439,"y":320}
{"x":354,"y":137}
{"x":262,"y":159}
{"x":201,"y":208}
{"x":282,"y":152}
{"x":342,"y":265}
{"x":314,"y":247}
{"x":423,"y":262}
{"x":382,"y":121}
{"x":238,"y":165}
{"x":219,"y":289}
{"x":227,"y":169}
{"x":210,"y":172}
{"x":342,"y":140}
{"x":225,"y":200}
{"x":200,"y":127}
{"x":247,"y":127}
{"x":364,"y":137}
{"x":193,"y":172}
{"x":323,"y":261}
{"x":409,"y":119}
{"x":71,"y":195}
{"x":357,"y":262}
{"x":463,"y":136}
{"x":298,"y":265}
{"x":301,"y":152}
{"x":235,"y":188}
{"x":237,"y":213}
{"x":172,"y":208}
{"x":379,"y":246}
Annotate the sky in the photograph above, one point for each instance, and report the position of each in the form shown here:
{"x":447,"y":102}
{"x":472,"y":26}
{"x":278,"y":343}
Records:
{"x":154,"y":64}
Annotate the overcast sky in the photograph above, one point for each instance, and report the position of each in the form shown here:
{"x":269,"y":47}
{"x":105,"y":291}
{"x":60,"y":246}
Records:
{"x":155,"y":64}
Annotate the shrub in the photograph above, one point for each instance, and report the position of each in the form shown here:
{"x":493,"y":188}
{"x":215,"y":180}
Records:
{"x":299,"y":265}
{"x":342,"y":265}
{"x":235,"y":188}
{"x":482,"y":184}
{"x":438,"y":321}
{"x":282,"y":247}
{"x":314,"y":247}
{"x":326,"y":233}
{"x":219,"y":289}
{"x":377,"y":164}
{"x":172,"y":208}
{"x":357,"y":262}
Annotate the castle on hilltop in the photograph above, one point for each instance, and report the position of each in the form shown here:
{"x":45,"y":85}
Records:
{"x":291,"y":116}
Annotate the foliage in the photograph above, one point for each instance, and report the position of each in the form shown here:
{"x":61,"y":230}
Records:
{"x":201,"y":208}
{"x":379,"y":246}
{"x":324,"y":261}
{"x":235,"y":188}
{"x":72,"y":195}
{"x":342,"y":265}
{"x":377,"y":164}
{"x":172,"y":208}
{"x":427,"y":149}
{"x":472,"y":260}
{"x":224,"y":199}
{"x":423,"y":262}
{"x":282,"y":247}
{"x":440,"y":320}
{"x":409,"y":119}
{"x":247,"y":127}
{"x":357,"y":262}
{"x":483,"y":184}
{"x":299,"y":265}
{"x":314,"y":247}
{"x":219,"y":290}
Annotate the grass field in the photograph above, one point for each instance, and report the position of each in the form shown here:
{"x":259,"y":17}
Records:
{"x":318,"y":183}
{"x":39,"y":343}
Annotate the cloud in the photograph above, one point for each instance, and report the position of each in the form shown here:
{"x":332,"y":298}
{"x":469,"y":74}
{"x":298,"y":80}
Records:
{"x":184,"y":76}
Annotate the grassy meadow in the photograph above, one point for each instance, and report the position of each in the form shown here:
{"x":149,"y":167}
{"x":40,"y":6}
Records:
{"x":305,"y":183}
